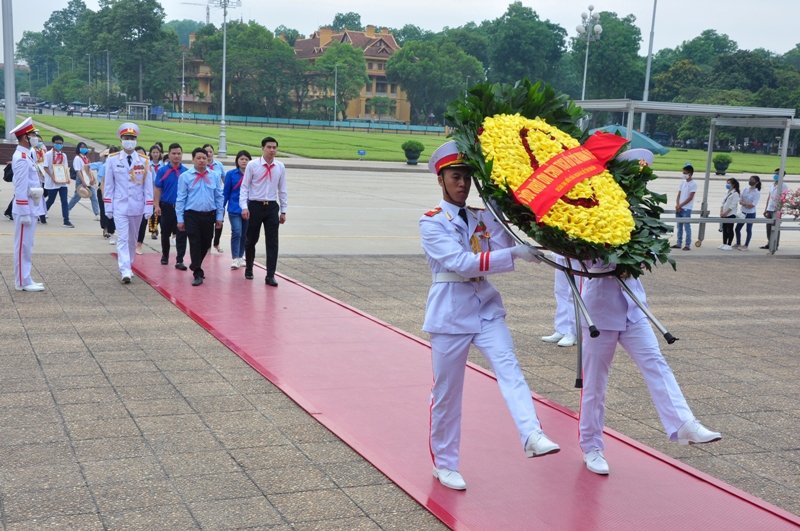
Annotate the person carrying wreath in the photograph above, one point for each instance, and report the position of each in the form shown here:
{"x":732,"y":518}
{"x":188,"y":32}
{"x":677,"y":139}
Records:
{"x":463,"y":245}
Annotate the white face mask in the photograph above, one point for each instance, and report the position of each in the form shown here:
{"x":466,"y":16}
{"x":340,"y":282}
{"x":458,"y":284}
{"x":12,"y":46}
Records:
{"x":686,"y":176}
{"x":128,"y":145}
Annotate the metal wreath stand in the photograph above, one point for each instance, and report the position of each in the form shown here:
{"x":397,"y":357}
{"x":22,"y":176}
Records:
{"x":580,"y":306}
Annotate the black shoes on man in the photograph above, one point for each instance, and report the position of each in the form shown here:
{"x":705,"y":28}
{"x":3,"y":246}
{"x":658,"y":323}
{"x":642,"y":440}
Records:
{"x":197,"y":281}
{"x":270,"y":281}
{"x":180,"y":266}
{"x":248,"y":274}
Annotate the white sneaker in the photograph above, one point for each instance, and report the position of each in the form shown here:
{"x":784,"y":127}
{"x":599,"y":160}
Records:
{"x":538,"y":445}
{"x":33,"y":286}
{"x":97,"y":217}
{"x":555,"y":338}
{"x":235,"y":264}
{"x":721,"y":247}
{"x":693,"y":432}
{"x":726,"y":248}
{"x":596,"y":462}
{"x":112,"y":240}
{"x":172,"y":241}
{"x":241,"y":262}
{"x":449,"y":478}
{"x":568,"y":340}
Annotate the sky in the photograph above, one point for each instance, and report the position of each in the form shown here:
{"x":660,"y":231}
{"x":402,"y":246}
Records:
{"x":770,"y":24}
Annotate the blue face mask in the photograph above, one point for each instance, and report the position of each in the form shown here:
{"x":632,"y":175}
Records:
{"x":727,"y":187}
{"x":84,"y":151}
{"x":39,"y":143}
{"x":775,"y":177}
{"x":58,"y":146}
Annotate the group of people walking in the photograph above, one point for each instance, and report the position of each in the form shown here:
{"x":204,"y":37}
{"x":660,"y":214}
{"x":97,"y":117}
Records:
{"x":143,"y":191}
{"x":737,"y":203}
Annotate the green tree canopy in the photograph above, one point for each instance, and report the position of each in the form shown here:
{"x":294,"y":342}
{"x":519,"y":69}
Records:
{"x":290,"y":34}
{"x":682,"y":76}
{"x":704,"y":49}
{"x":615,"y":68}
{"x":522,"y":45}
{"x":410,"y":32}
{"x":184,"y":28}
{"x":432,"y":75}
{"x":469,"y":39}
{"x":352,"y":72}
{"x":351,"y":21}
{"x":743,"y":70}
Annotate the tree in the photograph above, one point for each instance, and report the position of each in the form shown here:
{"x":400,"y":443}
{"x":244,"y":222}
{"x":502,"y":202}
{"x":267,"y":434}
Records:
{"x":432,"y":75}
{"x":290,"y":34}
{"x":522,"y":45}
{"x":184,"y":28}
{"x":704,"y":49}
{"x":471,"y":41}
{"x":380,"y":105}
{"x":352,"y":72}
{"x":615,"y":68}
{"x":410,"y":32}
{"x":743,"y":70}
{"x":683,"y":75}
{"x":351,"y":21}
{"x":792,"y":57}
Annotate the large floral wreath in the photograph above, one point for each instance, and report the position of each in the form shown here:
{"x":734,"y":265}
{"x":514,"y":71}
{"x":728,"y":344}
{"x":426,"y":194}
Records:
{"x":509,"y":133}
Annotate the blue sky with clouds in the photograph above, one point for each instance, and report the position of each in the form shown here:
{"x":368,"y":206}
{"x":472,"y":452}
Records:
{"x":770,"y":24}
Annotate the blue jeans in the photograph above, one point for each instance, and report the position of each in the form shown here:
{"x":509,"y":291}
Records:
{"x":751,"y":215}
{"x":684,"y":213}
{"x":51,"y":198}
{"x":76,"y":199}
{"x":238,"y":234}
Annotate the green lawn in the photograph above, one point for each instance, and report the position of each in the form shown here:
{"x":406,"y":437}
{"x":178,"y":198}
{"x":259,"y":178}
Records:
{"x":742,"y":162}
{"x":303,"y":142}
{"x":345,"y":145}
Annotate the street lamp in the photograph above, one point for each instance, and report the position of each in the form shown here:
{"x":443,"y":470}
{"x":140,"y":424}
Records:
{"x":222,"y":152}
{"x":90,"y":77}
{"x":183,"y":82}
{"x":335,"y":94}
{"x":649,"y":62}
{"x":108,"y":79}
{"x":589,"y":31}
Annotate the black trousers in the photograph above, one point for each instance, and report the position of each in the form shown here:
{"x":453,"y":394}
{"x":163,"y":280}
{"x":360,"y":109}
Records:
{"x":169,"y":225}
{"x":142,"y":229}
{"x":107,"y":224}
{"x":8,"y":210}
{"x":267,"y":215}
{"x":727,"y":232}
{"x":769,"y":214}
{"x":217,"y":236}
{"x":199,"y":232}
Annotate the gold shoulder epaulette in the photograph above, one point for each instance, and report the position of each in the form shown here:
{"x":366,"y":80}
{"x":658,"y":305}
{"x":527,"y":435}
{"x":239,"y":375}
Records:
{"x":476,"y":208}
{"x":433,"y":212}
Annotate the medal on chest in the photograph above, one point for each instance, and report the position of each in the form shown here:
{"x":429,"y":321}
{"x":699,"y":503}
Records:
{"x":137,"y":173}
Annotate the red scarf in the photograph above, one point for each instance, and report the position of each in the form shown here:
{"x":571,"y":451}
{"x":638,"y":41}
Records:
{"x":59,"y":157}
{"x":166,"y":173}
{"x":268,"y":172}
{"x":85,"y":159}
{"x":237,"y":185}
{"x":203,"y":176}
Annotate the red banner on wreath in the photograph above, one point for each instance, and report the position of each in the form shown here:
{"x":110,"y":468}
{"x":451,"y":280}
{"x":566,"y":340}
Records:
{"x":560,"y":174}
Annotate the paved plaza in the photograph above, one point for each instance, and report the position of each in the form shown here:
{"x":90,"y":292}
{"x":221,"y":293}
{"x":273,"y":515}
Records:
{"x":117,"y":411}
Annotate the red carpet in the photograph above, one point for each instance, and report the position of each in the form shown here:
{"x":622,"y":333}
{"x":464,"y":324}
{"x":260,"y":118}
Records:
{"x":369,"y":383}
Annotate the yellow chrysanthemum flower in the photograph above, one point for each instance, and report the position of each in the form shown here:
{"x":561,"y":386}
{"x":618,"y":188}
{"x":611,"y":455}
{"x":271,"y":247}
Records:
{"x":608,"y":222}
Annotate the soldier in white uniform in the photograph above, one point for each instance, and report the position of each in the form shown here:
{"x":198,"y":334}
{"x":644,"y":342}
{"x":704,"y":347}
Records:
{"x":564,"y":320}
{"x":127,"y":196}
{"x":28,"y":205}
{"x":462,"y":246}
{"x":620,"y":320}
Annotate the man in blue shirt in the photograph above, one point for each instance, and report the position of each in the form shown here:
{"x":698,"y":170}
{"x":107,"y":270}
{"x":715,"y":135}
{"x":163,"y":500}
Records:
{"x":166,"y":195}
{"x":199,"y":208}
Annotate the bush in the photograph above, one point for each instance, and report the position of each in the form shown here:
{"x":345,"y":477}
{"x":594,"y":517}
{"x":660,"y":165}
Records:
{"x":413,"y":145}
{"x":722,"y":158}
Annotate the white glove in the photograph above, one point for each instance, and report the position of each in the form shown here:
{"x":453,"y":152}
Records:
{"x":25,"y":220}
{"x":147,"y":216}
{"x":529,"y":254}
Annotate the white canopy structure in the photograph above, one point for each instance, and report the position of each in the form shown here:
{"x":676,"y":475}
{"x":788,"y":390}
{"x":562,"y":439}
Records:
{"x":721,"y":116}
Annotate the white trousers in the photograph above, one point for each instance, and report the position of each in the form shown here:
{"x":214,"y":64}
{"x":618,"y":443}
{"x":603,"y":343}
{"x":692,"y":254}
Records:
{"x":127,"y":234}
{"x":449,"y":357}
{"x":641,"y":344}
{"x":564,"y":322}
{"x":23,"y":248}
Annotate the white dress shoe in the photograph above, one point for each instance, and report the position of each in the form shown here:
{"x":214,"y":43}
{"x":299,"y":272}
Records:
{"x":30,"y":287}
{"x":449,"y":478}
{"x":555,"y":338}
{"x":693,"y":432}
{"x":538,"y":445}
{"x":568,"y":340}
{"x":596,"y":462}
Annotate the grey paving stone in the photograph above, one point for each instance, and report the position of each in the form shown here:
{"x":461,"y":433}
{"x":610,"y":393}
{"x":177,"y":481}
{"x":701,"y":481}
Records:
{"x":61,"y":475}
{"x":113,"y":498}
{"x":222,"y":486}
{"x":261,"y":457}
{"x":315,"y":505}
{"x":42,"y":504}
{"x":122,"y":470}
{"x":242,"y":513}
{"x":172,"y":517}
{"x":198,"y":463}
{"x":284,"y":479}
{"x":80,"y":522}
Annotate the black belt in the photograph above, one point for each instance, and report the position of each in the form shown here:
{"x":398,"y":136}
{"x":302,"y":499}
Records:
{"x":262,"y":202}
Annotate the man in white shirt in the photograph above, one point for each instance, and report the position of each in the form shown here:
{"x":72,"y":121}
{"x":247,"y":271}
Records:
{"x":56,"y":156}
{"x":772,"y":206}
{"x":263,"y":201}
{"x":683,"y":206}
